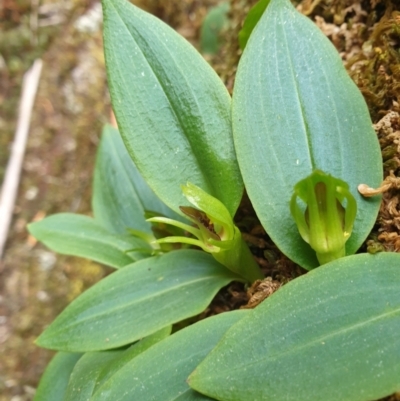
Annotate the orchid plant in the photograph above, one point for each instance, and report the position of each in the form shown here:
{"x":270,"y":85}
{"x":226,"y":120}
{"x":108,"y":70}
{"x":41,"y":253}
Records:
{"x":183,"y":153}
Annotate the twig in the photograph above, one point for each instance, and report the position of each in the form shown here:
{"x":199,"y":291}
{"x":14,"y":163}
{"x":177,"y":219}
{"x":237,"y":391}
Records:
{"x":13,"y":171}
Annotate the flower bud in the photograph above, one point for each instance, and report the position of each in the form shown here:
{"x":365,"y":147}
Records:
{"x":214,"y":232}
{"x":327,"y":220}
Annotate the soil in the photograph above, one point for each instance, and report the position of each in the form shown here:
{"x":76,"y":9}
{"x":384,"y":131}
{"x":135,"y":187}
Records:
{"x":72,"y":105}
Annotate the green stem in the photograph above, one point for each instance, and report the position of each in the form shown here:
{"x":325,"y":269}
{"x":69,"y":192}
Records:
{"x":330,"y":256}
{"x":240,"y":260}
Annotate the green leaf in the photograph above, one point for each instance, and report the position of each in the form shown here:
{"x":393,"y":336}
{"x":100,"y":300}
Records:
{"x":160,"y":373}
{"x":136,"y":301}
{"x":132,"y":352}
{"x":77,"y":235}
{"x":54,"y":382}
{"x":120,"y":194}
{"x":172,"y":109}
{"x":86,"y":372}
{"x":251,"y":21}
{"x":213,"y":25}
{"x":330,"y":335}
{"x":295,"y":109}
{"x":94,"y":368}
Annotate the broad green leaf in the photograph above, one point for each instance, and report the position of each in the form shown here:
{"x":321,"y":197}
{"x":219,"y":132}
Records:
{"x":132,"y":352}
{"x":330,"y":335}
{"x":77,"y":235}
{"x":295,"y":109}
{"x":160,"y":373}
{"x":214,"y":23}
{"x":83,"y":378}
{"x":251,"y":21}
{"x":120,"y":194}
{"x":54,"y":382}
{"x":96,"y":367}
{"x":136,"y":301}
{"x":172,"y":109}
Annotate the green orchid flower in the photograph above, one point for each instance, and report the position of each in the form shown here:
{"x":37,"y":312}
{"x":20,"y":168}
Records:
{"x":327,"y":221}
{"x":214,"y":232}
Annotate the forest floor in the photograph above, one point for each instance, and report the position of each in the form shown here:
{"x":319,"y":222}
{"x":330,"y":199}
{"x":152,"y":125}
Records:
{"x":73,"y":104}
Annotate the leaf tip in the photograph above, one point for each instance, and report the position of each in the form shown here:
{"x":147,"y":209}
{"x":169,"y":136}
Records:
{"x":40,"y":342}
